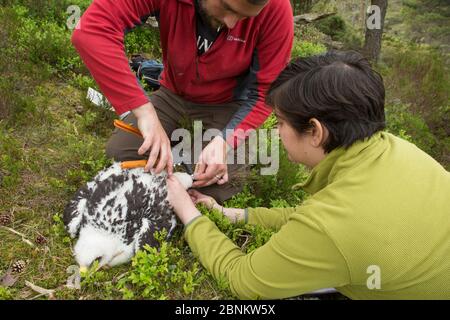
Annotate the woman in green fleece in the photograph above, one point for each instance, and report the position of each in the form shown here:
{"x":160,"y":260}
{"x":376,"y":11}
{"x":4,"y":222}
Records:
{"x":377,"y":223}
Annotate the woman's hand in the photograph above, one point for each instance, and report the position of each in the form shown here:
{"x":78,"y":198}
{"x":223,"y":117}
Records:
{"x":180,"y":200}
{"x":198,"y":197}
{"x":234,"y":215}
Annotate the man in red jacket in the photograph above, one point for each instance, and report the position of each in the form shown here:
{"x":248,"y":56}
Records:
{"x":219,"y":57}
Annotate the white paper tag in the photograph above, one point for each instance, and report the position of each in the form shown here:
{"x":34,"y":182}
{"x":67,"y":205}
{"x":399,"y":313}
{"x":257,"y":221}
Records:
{"x":96,"y":98}
{"x":99,"y":100}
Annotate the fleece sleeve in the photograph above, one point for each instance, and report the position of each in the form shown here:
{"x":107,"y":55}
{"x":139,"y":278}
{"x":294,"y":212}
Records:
{"x":99,"y":39}
{"x":298,"y":259}
{"x":272,"y":218}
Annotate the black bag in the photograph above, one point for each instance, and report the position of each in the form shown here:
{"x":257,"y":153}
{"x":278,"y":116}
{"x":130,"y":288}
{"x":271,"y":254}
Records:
{"x":148,"y":70}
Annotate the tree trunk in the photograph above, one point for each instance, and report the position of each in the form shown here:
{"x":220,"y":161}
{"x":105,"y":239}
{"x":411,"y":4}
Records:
{"x":363,"y":14}
{"x":374,"y":29}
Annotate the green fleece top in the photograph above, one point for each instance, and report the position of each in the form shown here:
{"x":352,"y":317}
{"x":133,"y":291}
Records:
{"x":378,"y":210}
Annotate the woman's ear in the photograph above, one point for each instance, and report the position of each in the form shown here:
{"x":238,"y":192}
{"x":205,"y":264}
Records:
{"x":319,"y":133}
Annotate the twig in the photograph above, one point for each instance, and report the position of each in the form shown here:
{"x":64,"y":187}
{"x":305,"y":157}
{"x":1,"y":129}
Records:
{"x":121,"y":276}
{"x":39,"y":295}
{"x":311,"y":17}
{"x":40,"y":290}
{"x":24,"y":239}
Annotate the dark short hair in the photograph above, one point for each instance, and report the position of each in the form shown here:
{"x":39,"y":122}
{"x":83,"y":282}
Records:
{"x":339,"y":89}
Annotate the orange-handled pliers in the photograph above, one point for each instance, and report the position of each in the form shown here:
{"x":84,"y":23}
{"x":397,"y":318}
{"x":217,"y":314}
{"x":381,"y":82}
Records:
{"x":129,"y":128}
{"x":141,"y":163}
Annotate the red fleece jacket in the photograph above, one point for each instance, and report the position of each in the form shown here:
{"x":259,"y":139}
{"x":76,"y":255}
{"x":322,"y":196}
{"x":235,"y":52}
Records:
{"x":239,"y":66}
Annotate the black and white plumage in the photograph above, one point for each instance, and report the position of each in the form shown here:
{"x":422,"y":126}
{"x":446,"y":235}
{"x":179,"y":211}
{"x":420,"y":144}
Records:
{"x":117,"y":213}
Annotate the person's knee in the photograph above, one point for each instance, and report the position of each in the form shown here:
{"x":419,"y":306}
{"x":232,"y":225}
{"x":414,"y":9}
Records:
{"x":112,"y":151}
{"x":119,"y":148}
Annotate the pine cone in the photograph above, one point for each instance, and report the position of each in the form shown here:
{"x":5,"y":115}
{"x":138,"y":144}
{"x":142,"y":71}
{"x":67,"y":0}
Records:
{"x":5,"y":219}
{"x":18,"y":266}
{"x":40,"y":240}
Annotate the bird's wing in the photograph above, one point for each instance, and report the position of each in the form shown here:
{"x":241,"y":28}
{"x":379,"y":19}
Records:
{"x":158,"y":220}
{"x":85,"y":198}
{"x":145,"y":236}
{"x":73,"y":213}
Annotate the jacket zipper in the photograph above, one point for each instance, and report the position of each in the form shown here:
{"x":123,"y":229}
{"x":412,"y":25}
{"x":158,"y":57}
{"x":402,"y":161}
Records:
{"x":197,"y":56}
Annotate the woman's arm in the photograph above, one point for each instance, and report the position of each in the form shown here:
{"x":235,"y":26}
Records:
{"x":273,"y":218}
{"x":270,"y":218}
{"x":298,"y":259}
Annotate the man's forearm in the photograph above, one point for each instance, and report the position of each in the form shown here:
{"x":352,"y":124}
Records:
{"x":100,"y":42}
{"x":147,"y":108}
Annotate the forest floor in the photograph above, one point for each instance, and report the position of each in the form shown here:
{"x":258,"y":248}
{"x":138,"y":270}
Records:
{"x":52,"y":141}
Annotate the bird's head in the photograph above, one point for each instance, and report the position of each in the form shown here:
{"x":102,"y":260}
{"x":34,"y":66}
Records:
{"x":185,"y":179}
{"x":94,"y":245}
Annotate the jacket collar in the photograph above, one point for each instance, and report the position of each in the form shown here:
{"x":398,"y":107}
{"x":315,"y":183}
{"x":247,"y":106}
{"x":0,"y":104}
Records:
{"x":325,"y":172}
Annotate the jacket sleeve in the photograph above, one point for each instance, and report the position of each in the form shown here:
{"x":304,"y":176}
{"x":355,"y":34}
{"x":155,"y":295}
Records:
{"x":299,"y":258}
{"x":273,"y":218}
{"x":271,"y":55}
{"x":99,"y":39}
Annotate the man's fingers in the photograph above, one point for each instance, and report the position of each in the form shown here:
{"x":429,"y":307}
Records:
{"x":170,"y":163}
{"x":200,"y":168}
{"x":208,"y":174}
{"x":163,"y":160}
{"x":145,"y":146}
{"x":206,"y":182}
{"x":153,"y":156}
{"x":212,"y":181}
{"x":210,"y":177}
{"x":212,"y":172}
{"x":223,"y":180}
{"x":199,"y":184}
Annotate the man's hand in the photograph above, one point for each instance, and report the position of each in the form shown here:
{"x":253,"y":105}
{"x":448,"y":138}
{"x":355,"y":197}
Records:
{"x":155,"y":140}
{"x":211,"y":167}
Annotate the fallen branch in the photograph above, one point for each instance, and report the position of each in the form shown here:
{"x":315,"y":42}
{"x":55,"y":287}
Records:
{"x":311,"y":17}
{"x":40,"y":290}
{"x":24,"y":239}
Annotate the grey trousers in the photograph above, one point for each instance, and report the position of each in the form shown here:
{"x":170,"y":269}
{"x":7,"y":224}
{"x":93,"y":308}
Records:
{"x":174,"y":112}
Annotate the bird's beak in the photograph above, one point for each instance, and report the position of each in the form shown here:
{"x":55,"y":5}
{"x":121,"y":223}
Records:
{"x":83,"y":269}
